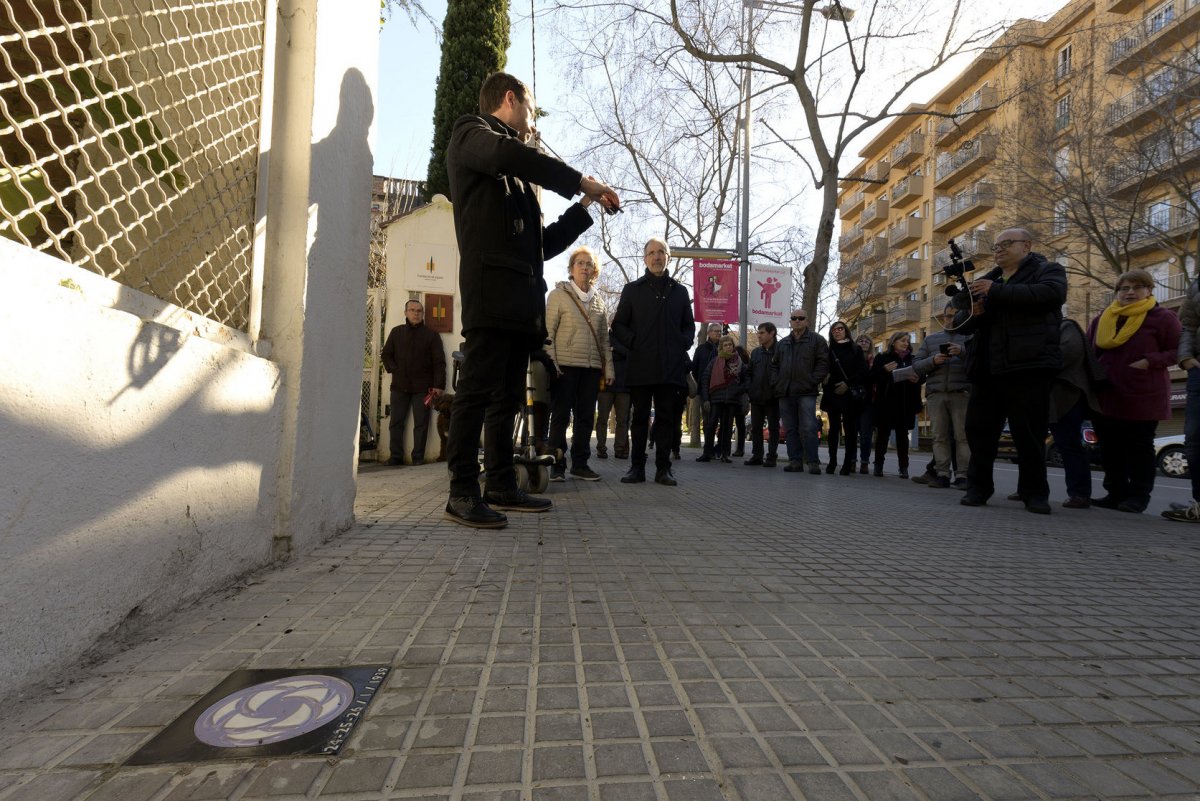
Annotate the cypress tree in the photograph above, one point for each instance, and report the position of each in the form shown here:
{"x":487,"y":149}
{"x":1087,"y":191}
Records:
{"x":474,"y":45}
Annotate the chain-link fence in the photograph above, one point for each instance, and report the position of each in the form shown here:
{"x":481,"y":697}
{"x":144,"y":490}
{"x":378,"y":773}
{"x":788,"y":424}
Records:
{"x":129,"y":138}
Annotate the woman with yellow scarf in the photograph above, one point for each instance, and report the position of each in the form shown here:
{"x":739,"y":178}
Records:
{"x":1135,"y":340}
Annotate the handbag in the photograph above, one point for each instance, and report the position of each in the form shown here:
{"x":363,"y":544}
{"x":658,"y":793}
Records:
{"x":595,"y":338}
{"x":856,"y":393}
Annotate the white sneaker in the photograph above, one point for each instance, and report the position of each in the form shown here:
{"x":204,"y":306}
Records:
{"x":1190,"y":514}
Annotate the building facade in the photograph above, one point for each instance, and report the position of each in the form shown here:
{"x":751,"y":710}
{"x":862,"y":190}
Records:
{"x":1084,"y":128}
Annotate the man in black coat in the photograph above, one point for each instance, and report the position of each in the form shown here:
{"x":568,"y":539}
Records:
{"x":1011,"y":363}
{"x":705,"y":352}
{"x":415,"y":359}
{"x":502,"y":245}
{"x":654,"y":323}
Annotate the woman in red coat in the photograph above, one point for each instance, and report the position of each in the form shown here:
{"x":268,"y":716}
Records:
{"x":1135,"y":340}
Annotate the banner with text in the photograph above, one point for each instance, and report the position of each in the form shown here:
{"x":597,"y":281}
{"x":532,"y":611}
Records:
{"x":715,"y":294}
{"x":770,"y":295}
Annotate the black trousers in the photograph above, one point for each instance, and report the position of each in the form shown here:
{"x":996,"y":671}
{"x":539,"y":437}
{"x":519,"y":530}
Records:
{"x":402,"y":403}
{"x":843,"y":425}
{"x":490,"y":392}
{"x":760,"y":412}
{"x":1024,"y":400}
{"x":576,"y":393}
{"x":664,"y":397}
{"x":1127,"y":453}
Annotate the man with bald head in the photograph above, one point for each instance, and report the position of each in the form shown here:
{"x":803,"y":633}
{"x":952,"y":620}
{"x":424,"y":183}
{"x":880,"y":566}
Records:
{"x":1014,"y":313}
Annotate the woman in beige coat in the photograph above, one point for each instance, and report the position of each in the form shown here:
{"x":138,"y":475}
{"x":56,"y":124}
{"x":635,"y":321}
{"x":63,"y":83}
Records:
{"x":577,"y":326}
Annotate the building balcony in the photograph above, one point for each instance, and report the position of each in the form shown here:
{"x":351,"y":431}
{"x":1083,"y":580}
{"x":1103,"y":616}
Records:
{"x":874,"y":250}
{"x":875,"y":213}
{"x":1122,"y":6}
{"x":911,"y":148}
{"x":848,"y":240}
{"x":980,"y":106}
{"x":853,"y":202}
{"x":972,"y":245}
{"x":906,"y":311}
{"x":955,"y":167}
{"x":1127,"y":177}
{"x":962,"y":208}
{"x":1159,"y":98}
{"x":908,"y":190}
{"x":905,"y":271}
{"x":849,"y":273}
{"x":878,"y":172}
{"x":846,"y":304}
{"x":1179,"y":223}
{"x":1151,"y":35}
{"x":907,"y":230}
{"x":873,"y":325}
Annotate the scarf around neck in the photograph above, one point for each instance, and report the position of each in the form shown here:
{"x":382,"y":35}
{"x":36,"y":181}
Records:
{"x":586,"y":297}
{"x":725,"y":371}
{"x":1108,"y":336}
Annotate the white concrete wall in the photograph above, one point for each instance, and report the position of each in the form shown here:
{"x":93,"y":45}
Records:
{"x":139,"y":459}
{"x":148,"y":456}
{"x":428,"y":229}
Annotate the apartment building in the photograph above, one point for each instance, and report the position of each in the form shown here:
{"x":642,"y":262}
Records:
{"x":1084,"y":128}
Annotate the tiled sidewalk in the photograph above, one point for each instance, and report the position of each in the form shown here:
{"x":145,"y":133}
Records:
{"x":749,"y":635}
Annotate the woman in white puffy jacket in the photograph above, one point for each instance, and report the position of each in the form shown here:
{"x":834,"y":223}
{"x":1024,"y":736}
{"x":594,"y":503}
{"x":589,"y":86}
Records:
{"x":577,"y":327}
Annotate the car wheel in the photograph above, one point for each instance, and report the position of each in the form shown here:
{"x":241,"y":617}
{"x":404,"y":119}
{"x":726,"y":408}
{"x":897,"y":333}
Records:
{"x":1172,"y":462}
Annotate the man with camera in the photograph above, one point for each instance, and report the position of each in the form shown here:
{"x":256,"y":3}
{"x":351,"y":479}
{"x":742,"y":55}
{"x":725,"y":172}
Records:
{"x":940,"y":362}
{"x":1014,"y":313}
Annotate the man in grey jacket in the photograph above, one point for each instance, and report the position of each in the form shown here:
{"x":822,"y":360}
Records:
{"x":800,"y":367}
{"x":940,"y":362}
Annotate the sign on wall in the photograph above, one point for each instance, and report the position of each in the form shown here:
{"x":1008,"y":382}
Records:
{"x":770,"y":295}
{"x":439,"y":313}
{"x":715,"y":294}
{"x":430,"y":268}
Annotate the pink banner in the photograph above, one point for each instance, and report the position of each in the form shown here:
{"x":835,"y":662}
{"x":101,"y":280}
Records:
{"x":715,"y":294}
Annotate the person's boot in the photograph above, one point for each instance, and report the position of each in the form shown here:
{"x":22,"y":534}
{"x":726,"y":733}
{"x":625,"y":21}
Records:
{"x":636,"y":475}
{"x":753,"y":461}
{"x":601,"y":451}
{"x":864,"y":468}
{"x":847,"y":469}
{"x":770,"y":460}
{"x":473,"y":512}
{"x":664,"y":476}
{"x":831,"y":466}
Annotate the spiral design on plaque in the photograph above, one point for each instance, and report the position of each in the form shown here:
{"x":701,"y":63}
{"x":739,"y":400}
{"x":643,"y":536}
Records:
{"x":273,"y":711}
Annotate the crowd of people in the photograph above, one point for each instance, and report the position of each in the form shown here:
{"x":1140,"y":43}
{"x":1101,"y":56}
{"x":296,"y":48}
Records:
{"x":1005,"y":359}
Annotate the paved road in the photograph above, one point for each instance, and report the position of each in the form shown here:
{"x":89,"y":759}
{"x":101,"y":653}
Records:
{"x":747,"y":635}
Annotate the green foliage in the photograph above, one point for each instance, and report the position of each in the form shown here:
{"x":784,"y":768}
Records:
{"x":120,"y":120}
{"x":474,"y":44}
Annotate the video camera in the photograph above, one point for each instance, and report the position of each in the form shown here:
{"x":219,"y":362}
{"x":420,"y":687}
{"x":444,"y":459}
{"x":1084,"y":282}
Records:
{"x":956,"y":271}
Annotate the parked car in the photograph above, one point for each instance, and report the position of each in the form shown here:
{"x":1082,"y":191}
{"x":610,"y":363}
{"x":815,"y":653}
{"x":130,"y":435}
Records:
{"x":1170,"y":456}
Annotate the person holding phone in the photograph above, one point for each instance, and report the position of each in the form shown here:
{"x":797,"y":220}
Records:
{"x":940,"y":362}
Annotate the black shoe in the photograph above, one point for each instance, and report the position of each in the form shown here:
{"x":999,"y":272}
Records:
{"x":1131,"y":505}
{"x":753,"y":461}
{"x":636,"y":475}
{"x":903,"y":473}
{"x":830,"y":468}
{"x":396,"y":461}
{"x":558,"y":473}
{"x":925,"y":478}
{"x":1107,"y":502}
{"x":878,"y":471}
{"x":794,"y":467}
{"x":959,"y":483}
{"x":704,"y":457}
{"x":473,"y":512}
{"x":770,"y":461}
{"x":739,"y":453}
{"x":972,"y":499}
{"x":938,"y":482}
{"x":1039,"y":506}
{"x":517,"y":501}
{"x":586,"y":473}
{"x":1016,"y":496}
{"x":846,"y":470}
{"x":864,"y":468}
{"x":675,"y":456}
{"x":665,"y":477}
{"x":726,"y":460}
{"x":620,"y":454}
{"x":815,"y":469}
{"x":601,"y":453}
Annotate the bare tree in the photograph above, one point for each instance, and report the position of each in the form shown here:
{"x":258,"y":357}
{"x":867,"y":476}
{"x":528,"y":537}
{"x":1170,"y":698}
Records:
{"x":835,"y":50}
{"x":666,"y":127}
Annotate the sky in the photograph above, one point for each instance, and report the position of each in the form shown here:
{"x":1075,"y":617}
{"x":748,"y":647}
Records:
{"x":408,"y":68}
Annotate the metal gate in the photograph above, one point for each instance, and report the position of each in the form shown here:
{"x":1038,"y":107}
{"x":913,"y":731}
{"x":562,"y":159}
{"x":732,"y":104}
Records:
{"x":372,"y":406}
